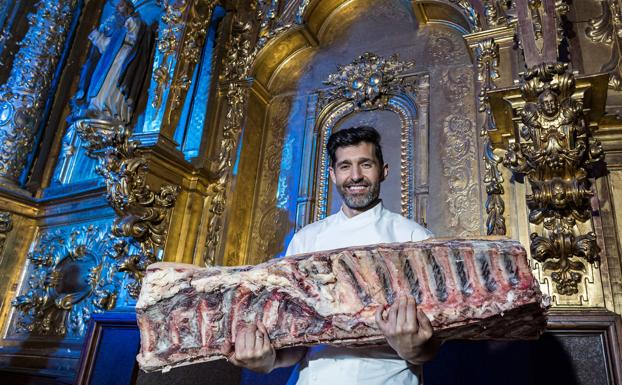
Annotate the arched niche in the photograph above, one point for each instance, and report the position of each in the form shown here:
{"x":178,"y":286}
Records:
{"x":277,"y":183}
{"x":407,"y":191}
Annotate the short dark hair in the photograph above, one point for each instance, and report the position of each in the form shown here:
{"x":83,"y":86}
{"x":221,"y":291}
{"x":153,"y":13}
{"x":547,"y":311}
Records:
{"x":351,"y":137}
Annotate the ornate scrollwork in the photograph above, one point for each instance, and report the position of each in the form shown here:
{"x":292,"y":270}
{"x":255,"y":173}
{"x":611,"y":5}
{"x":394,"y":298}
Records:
{"x":458,"y":153}
{"x":276,"y":17}
{"x":240,"y":55}
{"x":198,"y":18}
{"x":470,"y":13}
{"x":487,"y":52}
{"x":607,"y":29}
{"x":601,"y":29}
{"x":366,"y":81}
{"x":23,"y":96}
{"x":371,"y":82}
{"x":168,"y":41}
{"x":498,"y":12}
{"x":72,"y":277}
{"x":142,"y":214}
{"x":554,"y":150}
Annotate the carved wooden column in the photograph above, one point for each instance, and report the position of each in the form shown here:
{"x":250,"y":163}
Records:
{"x":542,"y":131}
{"x":181,"y":37}
{"x":23,"y":96}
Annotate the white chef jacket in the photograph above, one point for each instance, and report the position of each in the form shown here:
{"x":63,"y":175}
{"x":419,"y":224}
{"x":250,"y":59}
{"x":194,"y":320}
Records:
{"x":328,"y":365}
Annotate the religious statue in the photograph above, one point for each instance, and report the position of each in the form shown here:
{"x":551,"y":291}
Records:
{"x":112,"y":78}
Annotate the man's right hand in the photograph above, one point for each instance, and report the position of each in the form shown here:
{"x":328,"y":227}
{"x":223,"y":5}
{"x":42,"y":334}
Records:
{"x":253,"y":349}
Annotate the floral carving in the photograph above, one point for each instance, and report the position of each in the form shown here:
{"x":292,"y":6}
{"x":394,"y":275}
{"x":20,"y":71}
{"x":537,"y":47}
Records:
{"x":459,"y":154}
{"x":238,"y":63}
{"x":487,"y":52}
{"x":554,"y":150}
{"x":142,"y":214}
{"x":72,"y":277}
{"x":23,"y":96}
{"x":366,"y":81}
{"x":168,"y":41}
{"x":607,"y":29}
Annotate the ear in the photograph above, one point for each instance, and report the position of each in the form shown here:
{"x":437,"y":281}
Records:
{"x":384,"y":172}
{"x":331,"y":172}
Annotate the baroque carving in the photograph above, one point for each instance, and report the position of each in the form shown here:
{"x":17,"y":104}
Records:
{"x":23,"y":96}
{"x":487,"y":52}
{"x":554,"y":150}
{"x":142,"y":214}
{"x":238,"y":61}
{"x":458,"y":153}
{"x":499,"y":13}
{"x":276,"y":17}
{"x":607,"y":29}
{"x":198,"y":16}
{"x":72,"y":277}
{"x":470,"y":13}
{"x":366,"y":81}
{"x":168,"y":42}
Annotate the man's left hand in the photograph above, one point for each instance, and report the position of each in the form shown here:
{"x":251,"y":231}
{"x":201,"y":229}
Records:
{"x":408,"y":330}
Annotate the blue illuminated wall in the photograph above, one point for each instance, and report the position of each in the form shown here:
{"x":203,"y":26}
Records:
{"x":74,"y":166}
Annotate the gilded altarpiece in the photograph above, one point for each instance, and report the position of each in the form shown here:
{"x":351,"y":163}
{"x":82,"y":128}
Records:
{"x":282,"y":76}
{"x":300,"y":99}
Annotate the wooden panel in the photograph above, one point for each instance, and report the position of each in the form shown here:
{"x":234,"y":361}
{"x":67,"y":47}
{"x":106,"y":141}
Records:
{"x":109,"y":350}
{"x":579,"y":348}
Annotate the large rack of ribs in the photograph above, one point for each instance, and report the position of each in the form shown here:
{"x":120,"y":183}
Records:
{"x":469,"y":289}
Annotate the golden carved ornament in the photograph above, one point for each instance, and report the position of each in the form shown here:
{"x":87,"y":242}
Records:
{"x":554,"y":149}
{"x":238,"y":61}
{"x":607,"y":29}
{"x":366,"y":81}
{"x":142,"y":214}
{"x":371,"y":82}
{"x":197,"y":17}
{"x":487,"y":53}
{"x":168,"y":42}
{"x":72,"y":277}
{"x":23,"y":96}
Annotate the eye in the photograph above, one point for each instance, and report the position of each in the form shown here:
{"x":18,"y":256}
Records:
{"x":344,"y":167}
{"x":367,"y":165}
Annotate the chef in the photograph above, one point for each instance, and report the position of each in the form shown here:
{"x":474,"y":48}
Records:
{"x":357,"y":169}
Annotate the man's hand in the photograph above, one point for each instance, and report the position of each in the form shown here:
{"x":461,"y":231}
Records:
{"x":253,"y":349}
{"x":408,"y":331}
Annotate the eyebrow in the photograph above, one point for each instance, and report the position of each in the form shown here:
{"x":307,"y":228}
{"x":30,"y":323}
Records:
{"x":359,"y":160}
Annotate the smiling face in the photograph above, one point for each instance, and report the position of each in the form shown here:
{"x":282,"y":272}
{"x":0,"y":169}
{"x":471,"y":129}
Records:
{"x":357,"y":173}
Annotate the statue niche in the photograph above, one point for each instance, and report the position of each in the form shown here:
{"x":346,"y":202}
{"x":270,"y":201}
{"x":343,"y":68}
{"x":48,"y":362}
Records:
{"x":112,"y":77}
{"x":372,"y":88}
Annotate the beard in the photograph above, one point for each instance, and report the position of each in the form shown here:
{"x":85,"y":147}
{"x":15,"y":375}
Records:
{"x":361,"y":200}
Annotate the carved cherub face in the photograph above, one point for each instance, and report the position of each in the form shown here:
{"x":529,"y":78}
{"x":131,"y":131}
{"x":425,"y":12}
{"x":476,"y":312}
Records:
{"x":558,"y":194}
{"x":549,"y":103}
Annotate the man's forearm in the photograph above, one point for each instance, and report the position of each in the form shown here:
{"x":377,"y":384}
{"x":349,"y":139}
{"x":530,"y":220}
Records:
{"x":427,"y":352}
{"x":289,"y":356}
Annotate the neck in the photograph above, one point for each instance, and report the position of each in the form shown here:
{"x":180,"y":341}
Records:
{"x":352,"y":212}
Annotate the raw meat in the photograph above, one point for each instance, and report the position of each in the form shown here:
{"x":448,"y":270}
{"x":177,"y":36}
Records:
{"x":468,"y":288}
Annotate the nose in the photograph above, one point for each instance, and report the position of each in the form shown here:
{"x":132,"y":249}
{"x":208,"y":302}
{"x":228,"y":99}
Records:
{"x":356,"y":174}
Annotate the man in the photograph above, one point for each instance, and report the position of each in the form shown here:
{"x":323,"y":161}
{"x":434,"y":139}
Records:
{"x":357,"y":169}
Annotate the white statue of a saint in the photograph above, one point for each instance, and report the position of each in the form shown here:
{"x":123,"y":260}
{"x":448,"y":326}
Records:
{"x":121,"y":49}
